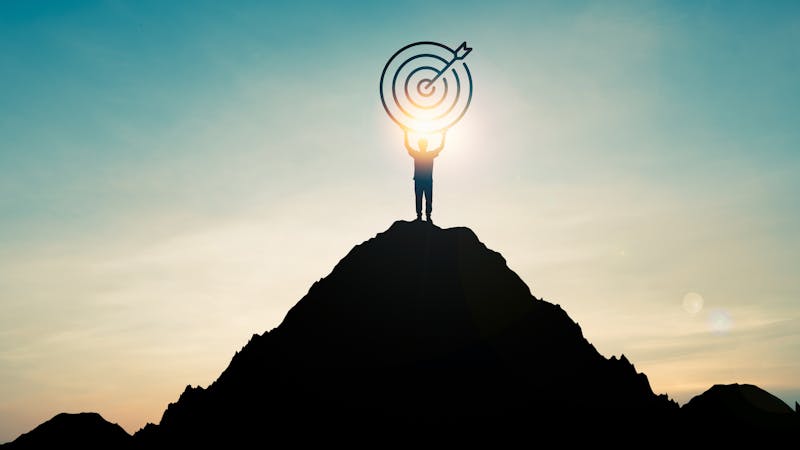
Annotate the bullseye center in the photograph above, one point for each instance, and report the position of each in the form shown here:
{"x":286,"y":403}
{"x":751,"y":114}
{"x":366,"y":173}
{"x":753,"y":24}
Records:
{"x":425,"y":88}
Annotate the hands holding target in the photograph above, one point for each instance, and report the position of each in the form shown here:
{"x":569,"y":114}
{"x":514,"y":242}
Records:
{"x":413,"y":152}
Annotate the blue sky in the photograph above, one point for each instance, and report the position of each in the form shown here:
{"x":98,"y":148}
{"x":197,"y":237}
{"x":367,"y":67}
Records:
{"x":173,"y":178}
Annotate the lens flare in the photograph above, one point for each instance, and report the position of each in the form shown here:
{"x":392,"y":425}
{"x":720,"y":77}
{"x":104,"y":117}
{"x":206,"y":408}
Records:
{"x":693,"y":303}
{"x":720,"y":322}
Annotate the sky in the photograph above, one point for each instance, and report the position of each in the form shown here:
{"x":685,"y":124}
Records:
{"x":175,"y":176}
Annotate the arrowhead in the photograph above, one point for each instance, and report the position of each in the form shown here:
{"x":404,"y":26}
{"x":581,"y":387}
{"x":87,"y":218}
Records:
{"x":462,"y":51}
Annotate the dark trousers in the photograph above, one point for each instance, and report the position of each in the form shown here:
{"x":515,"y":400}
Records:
{"x":424,"y":187}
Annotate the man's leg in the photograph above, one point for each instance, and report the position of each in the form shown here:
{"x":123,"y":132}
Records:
{"x":429,"y":198}
{"x":418,"y":188}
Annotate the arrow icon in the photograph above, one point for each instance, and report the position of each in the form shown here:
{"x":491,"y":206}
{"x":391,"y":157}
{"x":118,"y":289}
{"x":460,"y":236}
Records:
{"x":459,"y":54}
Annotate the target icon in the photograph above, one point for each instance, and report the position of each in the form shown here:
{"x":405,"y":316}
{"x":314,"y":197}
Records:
{"x":426,"y":87}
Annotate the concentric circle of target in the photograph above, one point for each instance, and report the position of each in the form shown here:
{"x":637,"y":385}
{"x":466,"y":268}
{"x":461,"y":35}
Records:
{"x":412,"y":100}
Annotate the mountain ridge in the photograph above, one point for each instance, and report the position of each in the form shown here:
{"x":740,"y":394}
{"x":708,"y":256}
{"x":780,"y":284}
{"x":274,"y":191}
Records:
{"x":422,"y":329}
{"x":86,"y":430}
{"x":440,"y":317}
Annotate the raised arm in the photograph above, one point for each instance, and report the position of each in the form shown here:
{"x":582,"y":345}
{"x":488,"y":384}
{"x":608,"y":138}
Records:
{"x":441,"y":147}
{"x":411,"y":151}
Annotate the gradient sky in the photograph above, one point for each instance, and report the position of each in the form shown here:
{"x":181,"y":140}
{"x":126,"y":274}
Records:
{"x":175,"y":176}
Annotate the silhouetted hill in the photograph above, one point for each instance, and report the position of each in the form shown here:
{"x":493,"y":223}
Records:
{"x":423,"y":329}
{"x":742,"y":405}
{"x":419,"y":326}
{"x":73,"y":431}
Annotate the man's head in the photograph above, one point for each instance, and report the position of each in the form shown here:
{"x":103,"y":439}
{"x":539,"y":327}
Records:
{"x":423,"y":145}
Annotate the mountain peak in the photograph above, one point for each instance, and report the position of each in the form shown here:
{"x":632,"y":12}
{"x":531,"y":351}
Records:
{"x":419,"y":323}
{"x":739,"y":399}
{"x":419,"y":277}
{"x":87,"y":430}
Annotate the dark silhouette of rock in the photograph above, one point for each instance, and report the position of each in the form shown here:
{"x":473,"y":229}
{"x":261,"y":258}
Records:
{"x":418,"y":327}
{"x":73,"y":431}
{"x":743,"y":406}
{"x":424,"y":330}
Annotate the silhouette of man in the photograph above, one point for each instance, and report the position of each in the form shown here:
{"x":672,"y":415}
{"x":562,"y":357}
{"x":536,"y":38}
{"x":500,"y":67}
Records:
{"x":423,"y":174}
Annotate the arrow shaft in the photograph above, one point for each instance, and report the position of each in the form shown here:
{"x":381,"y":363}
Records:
{"x":456,"y":57}
{"x":440,"y":73}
